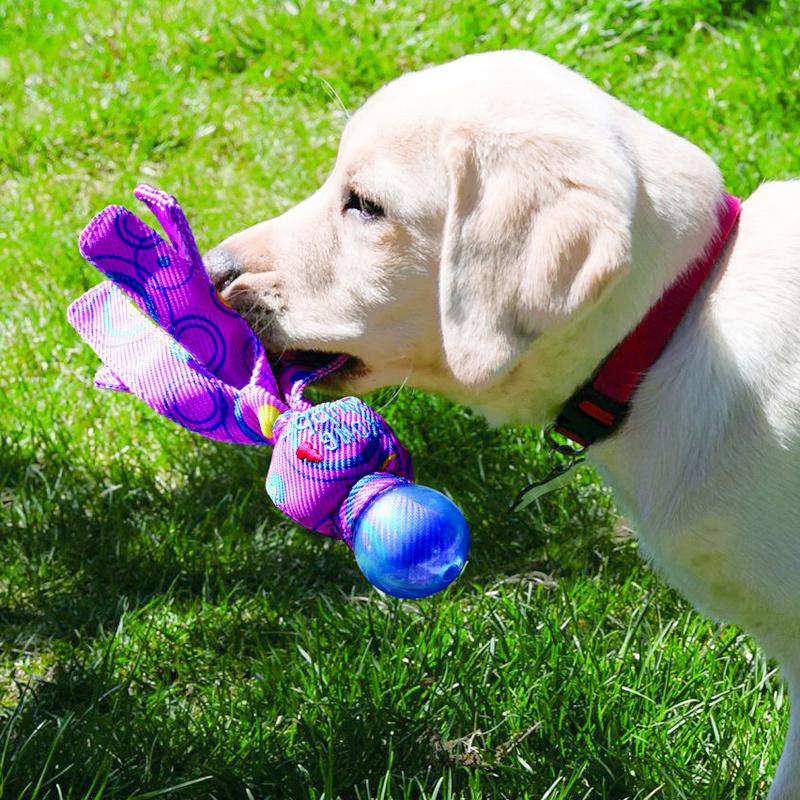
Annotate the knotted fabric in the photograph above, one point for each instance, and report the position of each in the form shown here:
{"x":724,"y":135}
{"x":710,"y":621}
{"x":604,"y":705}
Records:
{"x":165,"y":335}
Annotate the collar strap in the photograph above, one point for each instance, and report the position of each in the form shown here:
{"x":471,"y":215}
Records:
{"x":597,"y":408}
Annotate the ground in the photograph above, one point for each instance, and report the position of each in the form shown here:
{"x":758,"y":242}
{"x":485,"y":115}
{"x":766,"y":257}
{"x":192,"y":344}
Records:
{"x":163,"y":631}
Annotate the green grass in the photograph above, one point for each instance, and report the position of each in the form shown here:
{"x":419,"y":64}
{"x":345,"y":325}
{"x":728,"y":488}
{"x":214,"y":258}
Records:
{"x":164,"y":632}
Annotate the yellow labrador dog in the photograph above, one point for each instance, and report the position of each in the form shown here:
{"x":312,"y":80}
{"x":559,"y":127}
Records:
{"x":491,"y":230}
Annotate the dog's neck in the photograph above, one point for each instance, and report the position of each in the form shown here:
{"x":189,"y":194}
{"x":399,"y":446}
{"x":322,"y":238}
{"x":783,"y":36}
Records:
{"x":597,"y":409}
{"x":562,"y":359}
{"x":680,"y":196}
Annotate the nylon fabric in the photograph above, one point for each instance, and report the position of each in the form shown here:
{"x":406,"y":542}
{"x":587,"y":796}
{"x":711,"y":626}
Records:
{"x":165,"y":335}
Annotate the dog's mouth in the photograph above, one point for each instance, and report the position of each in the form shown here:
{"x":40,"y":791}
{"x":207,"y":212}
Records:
{"x":261,"y":319}
{"x":332,"y":379}
{"x":339,"y":380}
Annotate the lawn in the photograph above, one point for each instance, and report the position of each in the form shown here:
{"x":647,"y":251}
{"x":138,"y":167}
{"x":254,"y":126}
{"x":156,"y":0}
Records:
{"x":163,"y":631}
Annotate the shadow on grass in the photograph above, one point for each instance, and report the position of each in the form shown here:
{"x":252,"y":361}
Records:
{"x":89,"y":542}
{"x":84,"y":708}
{"x":91,"y":546}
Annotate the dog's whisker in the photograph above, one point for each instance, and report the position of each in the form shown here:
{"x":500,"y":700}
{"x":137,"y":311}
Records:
{"x":335,"y":95}
{"x":396,"y":393}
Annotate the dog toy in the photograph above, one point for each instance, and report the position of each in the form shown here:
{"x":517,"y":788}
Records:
{"x":165,"y":335}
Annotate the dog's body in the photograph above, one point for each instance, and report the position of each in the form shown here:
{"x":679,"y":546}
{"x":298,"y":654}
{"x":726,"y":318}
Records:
{"x":491,"y":230}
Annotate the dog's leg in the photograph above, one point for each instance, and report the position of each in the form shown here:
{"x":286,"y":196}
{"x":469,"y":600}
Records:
{"x":787,"y":777}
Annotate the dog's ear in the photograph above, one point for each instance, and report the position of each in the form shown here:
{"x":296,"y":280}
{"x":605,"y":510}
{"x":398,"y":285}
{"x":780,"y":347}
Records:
{"x":524,"y":246}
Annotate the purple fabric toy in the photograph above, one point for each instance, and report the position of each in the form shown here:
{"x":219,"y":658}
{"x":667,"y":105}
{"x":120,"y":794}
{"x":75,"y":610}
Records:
{"x":164,"y":334}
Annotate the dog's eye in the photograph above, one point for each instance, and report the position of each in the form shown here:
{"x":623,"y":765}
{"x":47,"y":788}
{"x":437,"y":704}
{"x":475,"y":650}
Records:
{"x":367,"y":209}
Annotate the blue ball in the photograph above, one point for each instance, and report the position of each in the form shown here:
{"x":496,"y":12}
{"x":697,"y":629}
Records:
{"x":411,"y":542}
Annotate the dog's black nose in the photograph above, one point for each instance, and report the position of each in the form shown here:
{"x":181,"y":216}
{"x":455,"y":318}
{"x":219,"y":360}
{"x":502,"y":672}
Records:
{"x":222,"y":267}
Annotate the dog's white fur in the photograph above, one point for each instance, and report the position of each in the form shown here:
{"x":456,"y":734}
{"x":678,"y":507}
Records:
{"x":531,"y":220}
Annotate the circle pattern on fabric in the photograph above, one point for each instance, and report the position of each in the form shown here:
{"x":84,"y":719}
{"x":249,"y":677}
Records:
{"x":123,"y":334}
{"x":204,"y":338}
{"x":134,"y":232}
{"x":198,"y":405}
{"x":179,"y":273}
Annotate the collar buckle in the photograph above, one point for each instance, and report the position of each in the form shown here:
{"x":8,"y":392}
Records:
{"x":587,"y":417}
{"x":563,"y":448}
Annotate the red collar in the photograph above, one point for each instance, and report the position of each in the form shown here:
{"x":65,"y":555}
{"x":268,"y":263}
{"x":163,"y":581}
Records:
{"x":600,"y":406}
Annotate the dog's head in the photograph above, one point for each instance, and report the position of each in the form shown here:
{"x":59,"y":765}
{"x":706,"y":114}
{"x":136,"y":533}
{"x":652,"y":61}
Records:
{"x":473,"y":207}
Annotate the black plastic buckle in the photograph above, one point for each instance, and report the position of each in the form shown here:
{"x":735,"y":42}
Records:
{"x":590,"y":416}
